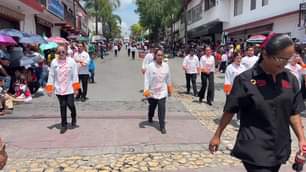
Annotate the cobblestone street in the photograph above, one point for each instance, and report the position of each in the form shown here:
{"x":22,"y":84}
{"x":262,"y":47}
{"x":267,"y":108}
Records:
{"x":113,"y":134}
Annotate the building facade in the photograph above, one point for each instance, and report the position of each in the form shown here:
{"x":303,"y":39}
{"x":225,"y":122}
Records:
{"x":43,"y":17}
{"x":215,"y":20}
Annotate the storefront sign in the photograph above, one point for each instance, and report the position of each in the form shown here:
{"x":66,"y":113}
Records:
{"x":55,"y":7}
{"x":6,"y":12}
{"x":43,"y":22}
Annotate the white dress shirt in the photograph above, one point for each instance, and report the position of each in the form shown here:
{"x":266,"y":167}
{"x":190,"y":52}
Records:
{"x":191,"y":64}
{"x":248,"y":62}
{"x":297,"y":71}
{"x":224,"y":58}
{"x":149,"y":58}
{"x":208,"y":63}
{"x":231,"y":72}
{"x":157,"y":80}
{"x":62,"y":75}
{"x":84,"y":57}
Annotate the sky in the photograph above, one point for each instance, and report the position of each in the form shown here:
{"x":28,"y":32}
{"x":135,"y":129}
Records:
{"x":128,"y":16}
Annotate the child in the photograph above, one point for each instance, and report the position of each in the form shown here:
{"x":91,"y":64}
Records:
{"x":22,"y":91}
{"x":92,"y":67}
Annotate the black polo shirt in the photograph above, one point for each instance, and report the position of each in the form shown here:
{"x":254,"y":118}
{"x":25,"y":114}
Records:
{"x":265,"y":107}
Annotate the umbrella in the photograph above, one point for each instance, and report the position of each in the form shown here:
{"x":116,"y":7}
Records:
{"x":33,"y":39}
{"x":12,"y":33}
{"x":48,"y":46}
{"x":83,"y":39}
{"x":73,"y":37}
{"x":7,"y":40}
{"x":256,"y":39}
{"x":58,"y":40}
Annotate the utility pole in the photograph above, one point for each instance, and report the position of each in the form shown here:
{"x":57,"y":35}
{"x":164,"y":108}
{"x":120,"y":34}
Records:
{"x":185,"y":20}
{"x":96,"y":9}
{"x":74,"y":13}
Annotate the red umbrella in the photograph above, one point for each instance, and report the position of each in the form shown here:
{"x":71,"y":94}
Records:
{"x":58,"y":40}
{"x":256,"y":39}
{"x":7,"y":40}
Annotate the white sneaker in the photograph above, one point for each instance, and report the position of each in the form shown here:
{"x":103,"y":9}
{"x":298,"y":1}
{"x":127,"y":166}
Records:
{"x":40,"y":90}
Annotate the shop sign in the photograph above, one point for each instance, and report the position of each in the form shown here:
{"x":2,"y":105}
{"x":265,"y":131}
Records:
{"x":56,"y":8}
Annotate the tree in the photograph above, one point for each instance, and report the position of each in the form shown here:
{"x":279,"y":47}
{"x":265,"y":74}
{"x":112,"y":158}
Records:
{"x":155,"y":15}
{"x":103,"y":11}
{"x":137,"y":31}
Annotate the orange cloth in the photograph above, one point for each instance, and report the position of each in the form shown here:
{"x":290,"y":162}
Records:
{"x":170,"y":89}
{"x":227,"y":88}
{"x":49,"y":88}
{"x":76,"y":86}
{"x":146,"y":93}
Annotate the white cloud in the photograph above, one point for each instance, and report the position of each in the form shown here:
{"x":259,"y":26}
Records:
{"x":125,"y":3}
{"x":125,"y":29}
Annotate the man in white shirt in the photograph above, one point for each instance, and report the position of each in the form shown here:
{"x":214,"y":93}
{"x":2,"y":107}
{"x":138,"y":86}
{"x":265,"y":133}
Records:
{"x":207,"y":65}
{"x":133,"y":50}
{"x":116,"y":50}
{"x":82,"y":59}
{"x":191,"y":67}
{"x":157,"y":87}
{"x":249,"y":60}
{"x":149,"y":58}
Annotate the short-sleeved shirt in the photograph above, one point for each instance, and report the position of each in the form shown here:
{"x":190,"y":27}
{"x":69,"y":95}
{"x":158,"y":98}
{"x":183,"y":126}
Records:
{"x":249,"y":62}
{"x":265,"y":107}
{"x":208,"y":63}
{"x":191,"y":64}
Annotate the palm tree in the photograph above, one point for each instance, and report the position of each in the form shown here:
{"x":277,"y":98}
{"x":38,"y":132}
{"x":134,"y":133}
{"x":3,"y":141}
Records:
{"x":101,"y":9}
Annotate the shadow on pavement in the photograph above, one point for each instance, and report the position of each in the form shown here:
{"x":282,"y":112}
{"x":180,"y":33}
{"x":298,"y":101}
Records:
{"x":59,"y":126}
{"x":155,"y":125}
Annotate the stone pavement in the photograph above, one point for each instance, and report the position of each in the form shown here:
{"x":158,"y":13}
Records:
{"x":113,"y":134}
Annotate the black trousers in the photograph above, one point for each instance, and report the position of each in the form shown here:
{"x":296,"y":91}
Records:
{"x":161,"y":103}
{"x":211,"y":86}
{"x":133,"y":55}
{"x":193,"y":79}
{"x":102,"y":53}
{"x":116,"y":53}
{"x":222,"y":67}
{"x":129,"y":52}
{"x":254,"y":168}
{"x":84,"y":80}
{"x":64,"y":101}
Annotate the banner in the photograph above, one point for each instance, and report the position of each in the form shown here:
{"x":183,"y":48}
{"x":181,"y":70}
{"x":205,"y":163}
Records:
{"x":55,"y":7}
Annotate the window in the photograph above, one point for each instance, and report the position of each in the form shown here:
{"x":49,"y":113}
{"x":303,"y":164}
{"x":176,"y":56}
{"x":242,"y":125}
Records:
{"x":238,"y":7}
{"x":209,"y":4}
{"x":194,"y":14}
{"x":265,"y":2}
{"x":253,"y":4}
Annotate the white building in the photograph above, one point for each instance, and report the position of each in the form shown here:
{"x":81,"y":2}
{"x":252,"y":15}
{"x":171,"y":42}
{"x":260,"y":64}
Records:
{"x":238,"y":19}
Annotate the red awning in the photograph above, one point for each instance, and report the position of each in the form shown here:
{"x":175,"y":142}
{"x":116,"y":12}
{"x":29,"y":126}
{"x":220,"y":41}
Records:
{"x":34,"y":4}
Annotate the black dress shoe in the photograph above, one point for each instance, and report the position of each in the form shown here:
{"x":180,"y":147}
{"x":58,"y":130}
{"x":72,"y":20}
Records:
{"x":163,"y":131}
{"x":83,"y":99}
{"x":209,"y":103}
{"x":200,"y":100}
{"x":63,"y":130}
{"x":150,"y":120}
{"x":73,"y":125}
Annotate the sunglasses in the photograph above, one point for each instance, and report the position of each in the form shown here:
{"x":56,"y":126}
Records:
{"x":281,"y":60}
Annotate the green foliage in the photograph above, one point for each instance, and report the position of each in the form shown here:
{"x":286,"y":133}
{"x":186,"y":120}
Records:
{"x":103,"y":9}
{"x":155,"y":15}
